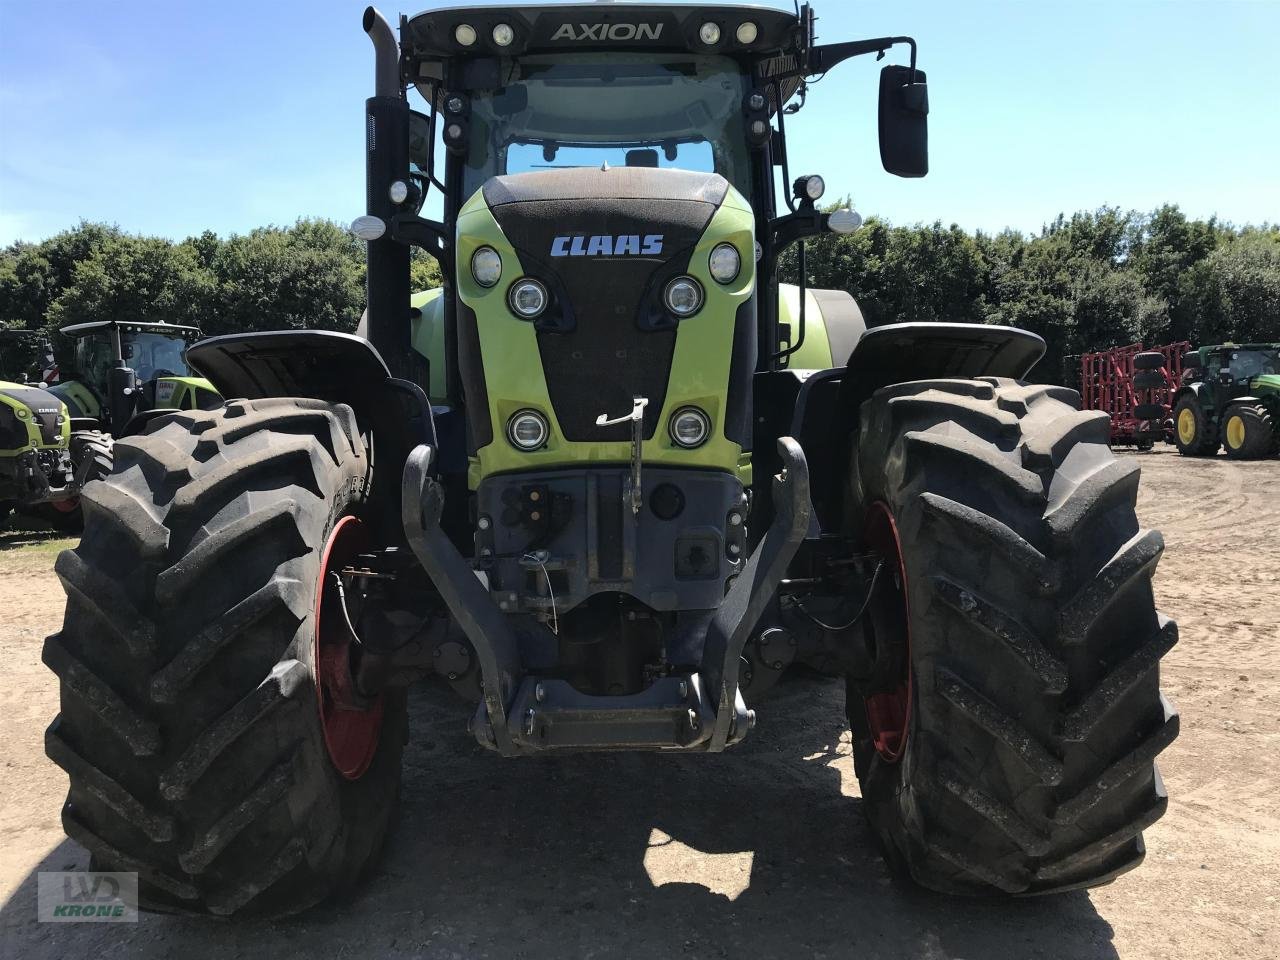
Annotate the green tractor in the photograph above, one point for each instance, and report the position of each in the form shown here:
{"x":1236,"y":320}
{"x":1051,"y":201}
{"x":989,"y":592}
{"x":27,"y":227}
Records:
{"x":35,"y":458}
{"x":123,"y":376}
{"x":608,"y":484}
{"x":1229,"y":397}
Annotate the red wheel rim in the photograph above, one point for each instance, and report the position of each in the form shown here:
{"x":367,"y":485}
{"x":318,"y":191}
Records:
{"x":889,"y":710}
{"x":351,"y":726}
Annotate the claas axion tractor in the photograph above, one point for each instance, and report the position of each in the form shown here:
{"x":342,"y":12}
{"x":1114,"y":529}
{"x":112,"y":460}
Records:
{"x":608,"y":483}
{"x":55,"y":438}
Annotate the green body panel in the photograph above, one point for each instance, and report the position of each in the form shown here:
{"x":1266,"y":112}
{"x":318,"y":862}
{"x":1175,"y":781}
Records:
{"x":815,"y":351}
{"x":699,"y":369}
{"x":25,"y":416}
{"x":1267,"y":385}
{"x":172,"y":393}
{"x":80,"y":400}
{"x":180,"y":393}
{"x":427,"y":337}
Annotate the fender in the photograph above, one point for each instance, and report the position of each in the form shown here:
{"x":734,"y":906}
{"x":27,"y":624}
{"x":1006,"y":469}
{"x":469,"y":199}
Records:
{"x":827,"y":404}
{"x":329,"y":366}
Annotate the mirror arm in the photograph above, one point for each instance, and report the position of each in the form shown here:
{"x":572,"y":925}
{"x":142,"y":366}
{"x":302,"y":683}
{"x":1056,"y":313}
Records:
{"x":821,"y":59}
{"x":428,"y":235}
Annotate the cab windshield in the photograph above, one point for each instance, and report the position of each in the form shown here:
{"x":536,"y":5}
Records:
{"x":150,"y":355}
{"x":586,"y":109}
{"x":1247,"y":364}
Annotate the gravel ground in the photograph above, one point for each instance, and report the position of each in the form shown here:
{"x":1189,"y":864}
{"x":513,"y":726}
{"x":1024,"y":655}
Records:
{"x":760,"y":852}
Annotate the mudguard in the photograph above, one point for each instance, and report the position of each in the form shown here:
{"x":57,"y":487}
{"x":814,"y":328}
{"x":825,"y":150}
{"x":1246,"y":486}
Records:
{"x":333,"y":367}
{"x":827,"y":402}
{"x":319,"y":364}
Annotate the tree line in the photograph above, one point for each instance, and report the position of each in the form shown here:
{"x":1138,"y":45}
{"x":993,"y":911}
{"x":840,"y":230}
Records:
{"x":1093,"y":280}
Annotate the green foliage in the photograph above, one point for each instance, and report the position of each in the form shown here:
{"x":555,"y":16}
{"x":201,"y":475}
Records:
{"x":1085,"y":282}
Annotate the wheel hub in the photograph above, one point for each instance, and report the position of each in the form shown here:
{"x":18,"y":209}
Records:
{"x":1235,"y":432}
{"x":1186,"y":426}
{"x":351,"y":724}
{"x":889,"y":708}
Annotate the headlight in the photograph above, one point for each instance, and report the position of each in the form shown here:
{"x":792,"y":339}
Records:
{"x":486,"y":266}
{"x":527,"y":298}
{"x":747,"y":32}
{"x":465,"y":34}
{"x":810,"y":187}
{"x":398,"y":192}
{"x":725,"y":263}
{"x":503,"y":34}
{"x":683,"y":296}
{"x":709,"y":33}
{"x":527,"y":430}
{"x":689,"y":427}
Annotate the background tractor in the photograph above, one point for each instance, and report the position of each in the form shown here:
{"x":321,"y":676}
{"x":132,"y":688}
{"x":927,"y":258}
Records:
{"x":1229,"y":397}
{"x":607,"y":484}
{"x":122,"y":375}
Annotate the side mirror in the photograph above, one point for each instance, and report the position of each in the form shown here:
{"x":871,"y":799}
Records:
{"x":419,"y":139}
{"x":904,"y":122}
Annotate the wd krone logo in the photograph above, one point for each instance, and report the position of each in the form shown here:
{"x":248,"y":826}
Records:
{"x":627,"y":245}
{"x":608,"y":31}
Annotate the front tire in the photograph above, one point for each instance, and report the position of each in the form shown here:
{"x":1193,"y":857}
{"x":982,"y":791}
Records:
{"x":190,"y":726}
{"x":1005,"y":739}
{"x":1248,"y":433}
{"x":1193,"y":434}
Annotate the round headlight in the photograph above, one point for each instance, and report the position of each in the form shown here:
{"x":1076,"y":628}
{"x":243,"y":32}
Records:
{"x":527,"y":298}
{"x":709,"y":33}
{"x":527,"y":430}
{"x":486,"y":266}
{"x":683,"y":296}
{"x":398,"y":192}
{"x":725,"y":263}
{"x":756,"y":101}
{"x":747,"y":32}
{"x":503,"y":34}
{"x":465,"y":34}
{"x":689,"y":427}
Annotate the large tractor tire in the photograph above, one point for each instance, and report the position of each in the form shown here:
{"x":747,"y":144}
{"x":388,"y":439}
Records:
{"x":1193,"y":432}
{"x":199,"y":753}
{"x":1248,"y":433}
{"x":1006,"y":736}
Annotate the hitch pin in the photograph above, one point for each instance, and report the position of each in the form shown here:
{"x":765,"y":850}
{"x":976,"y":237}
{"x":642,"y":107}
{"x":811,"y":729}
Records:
{"x":636,"y":416}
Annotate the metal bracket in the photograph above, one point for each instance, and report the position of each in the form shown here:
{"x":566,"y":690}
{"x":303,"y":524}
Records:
{"x":636,"y":417}
{"x":422,"y":501}
{"x":753,"y":590}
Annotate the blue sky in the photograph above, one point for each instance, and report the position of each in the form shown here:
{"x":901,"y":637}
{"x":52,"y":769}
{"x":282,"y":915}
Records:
{"x":172,"y":117}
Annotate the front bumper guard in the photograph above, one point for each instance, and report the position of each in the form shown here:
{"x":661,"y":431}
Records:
{"x":521,"y":714}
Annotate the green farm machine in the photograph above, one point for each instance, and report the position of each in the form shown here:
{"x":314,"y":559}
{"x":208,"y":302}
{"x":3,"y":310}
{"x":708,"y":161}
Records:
{"x":1229,"y":398}
{"x":55,"y":438}
{"x":608,"y":484}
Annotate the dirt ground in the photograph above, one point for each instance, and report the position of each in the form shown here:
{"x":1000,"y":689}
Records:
{"x":760,"y":852}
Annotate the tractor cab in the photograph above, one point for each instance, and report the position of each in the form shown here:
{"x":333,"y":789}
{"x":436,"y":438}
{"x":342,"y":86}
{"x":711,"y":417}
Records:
{"x":122,"y":369}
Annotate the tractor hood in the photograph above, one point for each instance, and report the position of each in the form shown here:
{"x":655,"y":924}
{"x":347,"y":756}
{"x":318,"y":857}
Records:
{"x":605,"y":242}
{"x":22,"y":405}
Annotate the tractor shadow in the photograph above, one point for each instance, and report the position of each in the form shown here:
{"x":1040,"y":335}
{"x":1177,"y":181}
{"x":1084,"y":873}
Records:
{"x":756,"y":853}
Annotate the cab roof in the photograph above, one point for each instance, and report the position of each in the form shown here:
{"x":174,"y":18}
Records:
{"x":77,"y":330}
{"x":557,"y":27}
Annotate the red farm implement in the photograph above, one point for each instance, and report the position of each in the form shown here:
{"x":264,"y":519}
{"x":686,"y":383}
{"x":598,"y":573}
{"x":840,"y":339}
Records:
{"x":1135,"y":386}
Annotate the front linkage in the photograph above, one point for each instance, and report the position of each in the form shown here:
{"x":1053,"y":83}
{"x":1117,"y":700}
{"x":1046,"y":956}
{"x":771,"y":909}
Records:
{"x":519,"y":713}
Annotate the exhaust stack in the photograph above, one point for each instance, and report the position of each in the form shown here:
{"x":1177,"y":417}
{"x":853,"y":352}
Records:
{"x":386,"y":161}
